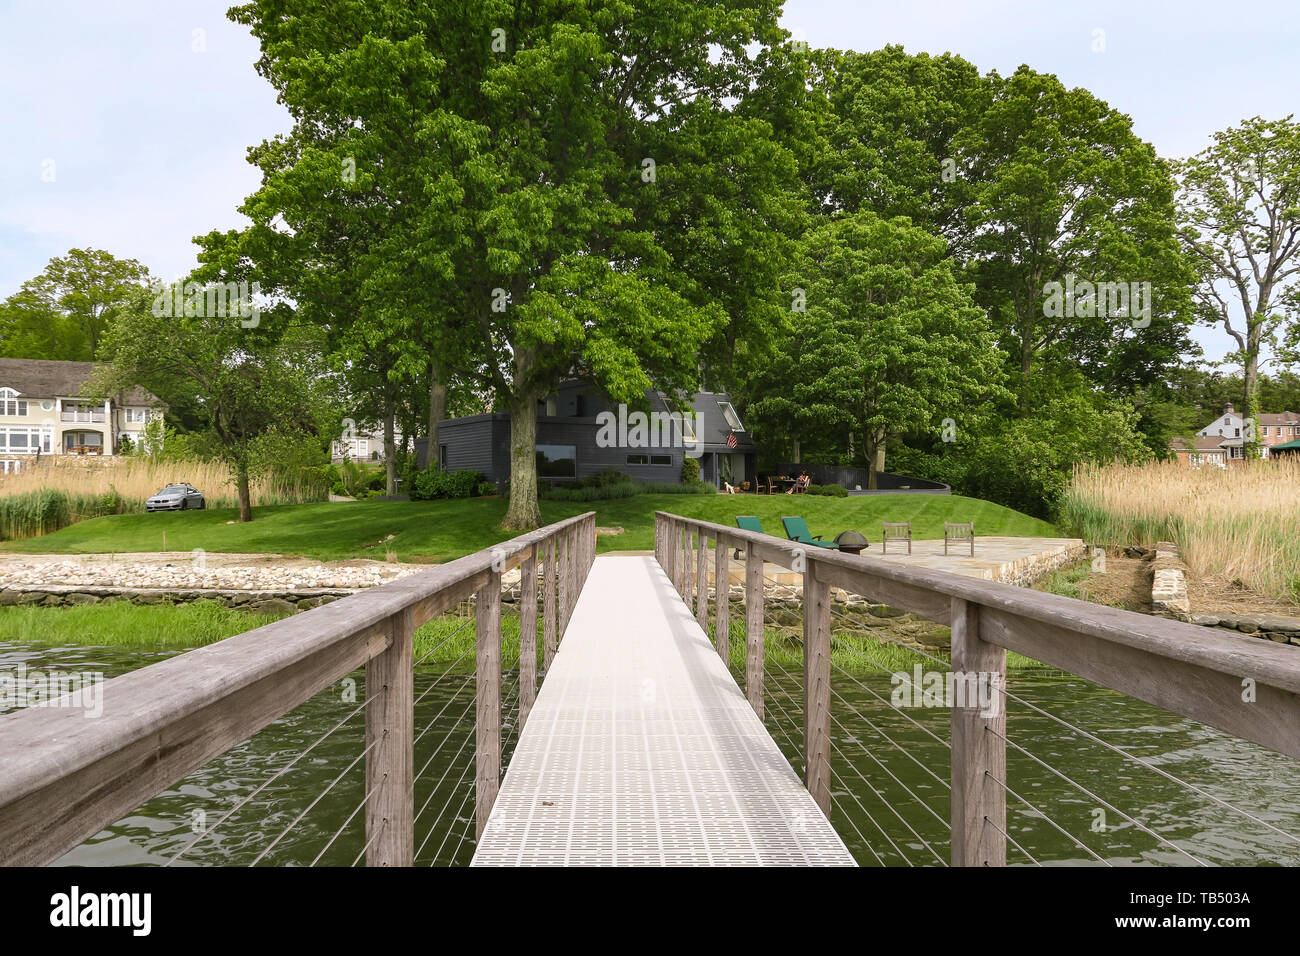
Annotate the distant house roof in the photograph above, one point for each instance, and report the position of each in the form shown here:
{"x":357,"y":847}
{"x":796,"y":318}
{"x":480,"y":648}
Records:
{"x":1279,"y":418}
{"x":1203,"y":443}
{"x":39,"y":378}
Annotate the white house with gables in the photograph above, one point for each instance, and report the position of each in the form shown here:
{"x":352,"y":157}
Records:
{"x":42,"y":413}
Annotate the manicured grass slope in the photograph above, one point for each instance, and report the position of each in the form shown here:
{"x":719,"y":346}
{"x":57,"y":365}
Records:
{"x":442,"y":530}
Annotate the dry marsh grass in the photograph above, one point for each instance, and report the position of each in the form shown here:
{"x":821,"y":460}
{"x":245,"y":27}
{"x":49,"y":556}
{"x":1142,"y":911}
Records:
{"x":39,"y":500}
{"x":1237,"y":525}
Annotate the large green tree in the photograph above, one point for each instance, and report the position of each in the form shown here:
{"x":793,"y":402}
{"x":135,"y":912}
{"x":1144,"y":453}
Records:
{"x":246,"y":383}
{"x":890,"y":342}
{"x":509,"y":149}
{"x":1030,"y":183}
{"x":1240,"y":204}
{"x":63,"y":312}
{"x":1065,"y":191}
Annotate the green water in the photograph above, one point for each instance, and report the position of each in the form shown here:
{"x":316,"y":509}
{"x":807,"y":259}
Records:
{"x":891,"y":799}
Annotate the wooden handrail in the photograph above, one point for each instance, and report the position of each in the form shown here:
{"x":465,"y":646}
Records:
{"x":1238,"y":684}
{"x":64,"y":777}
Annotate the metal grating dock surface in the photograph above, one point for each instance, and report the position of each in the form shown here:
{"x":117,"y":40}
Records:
{"x":642,"y":750}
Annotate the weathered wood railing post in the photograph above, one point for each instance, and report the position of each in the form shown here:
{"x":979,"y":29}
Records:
{"x":754,"y":629}
{"x":817,"y":686}
{"x":722,"y":600}
{"x":527,"y":635}
{"x":566,"y":577}
{"x":688,"y":565}
{"x":702,"y":582}
{"x":979,"y":750}
{"x":550,"y":625}
{"x":487,"y":711}
{"x":390,"y":730}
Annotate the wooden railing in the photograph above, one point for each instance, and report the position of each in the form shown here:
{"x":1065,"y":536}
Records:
{"x":64,"y":777}
{"x":1241,"y":685}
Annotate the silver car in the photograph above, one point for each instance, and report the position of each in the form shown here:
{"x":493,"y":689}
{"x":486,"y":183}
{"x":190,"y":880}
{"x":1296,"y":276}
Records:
{"x":178,"y":497}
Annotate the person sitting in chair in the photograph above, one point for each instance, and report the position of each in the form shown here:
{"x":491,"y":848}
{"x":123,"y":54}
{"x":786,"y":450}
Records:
{"x":800,"y":485}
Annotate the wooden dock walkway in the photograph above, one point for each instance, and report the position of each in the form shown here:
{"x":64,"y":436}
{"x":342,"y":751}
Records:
{"x":641,"y":749}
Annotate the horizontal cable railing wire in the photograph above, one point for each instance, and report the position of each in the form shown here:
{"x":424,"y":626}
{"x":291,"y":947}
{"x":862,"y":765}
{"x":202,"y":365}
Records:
{"x":870,"y":736}
{"x":219,"y":697}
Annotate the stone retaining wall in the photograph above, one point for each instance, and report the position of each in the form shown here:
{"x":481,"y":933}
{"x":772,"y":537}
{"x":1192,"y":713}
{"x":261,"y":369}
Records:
{"x":264,"y":602}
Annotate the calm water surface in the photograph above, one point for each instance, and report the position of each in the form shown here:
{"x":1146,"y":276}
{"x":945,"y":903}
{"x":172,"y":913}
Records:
{"x":890,"y":784}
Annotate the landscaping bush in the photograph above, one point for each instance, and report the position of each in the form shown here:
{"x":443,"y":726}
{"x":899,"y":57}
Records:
{"x":690,"y":470}
{"x":830,"y":491}
{"x":432,"y":483}
{"x":685,"y":488}
{"x":580,"y":492}
{"x":620,"y":489}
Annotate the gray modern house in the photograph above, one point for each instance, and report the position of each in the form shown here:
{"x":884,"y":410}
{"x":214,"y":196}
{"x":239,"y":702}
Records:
{"x":580,"y":433}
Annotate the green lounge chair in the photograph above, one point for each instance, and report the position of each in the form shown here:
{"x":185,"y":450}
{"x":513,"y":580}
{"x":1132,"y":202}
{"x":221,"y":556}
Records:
{"x":796,"y":529}
{"x":748,"y":523}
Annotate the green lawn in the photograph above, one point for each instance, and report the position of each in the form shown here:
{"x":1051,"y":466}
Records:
{"x":441,"y":530}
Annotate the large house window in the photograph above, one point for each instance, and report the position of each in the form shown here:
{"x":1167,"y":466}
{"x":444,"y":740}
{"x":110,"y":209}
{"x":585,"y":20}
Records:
{"x":729,"y":413}
{"x":11,"y":404}
{"x":137,"y":416}
{"x":557,"y":461}
{"x":25,"y":441}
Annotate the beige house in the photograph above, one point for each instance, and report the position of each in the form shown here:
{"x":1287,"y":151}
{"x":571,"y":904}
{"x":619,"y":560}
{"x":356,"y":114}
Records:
{"x":42,"y":413}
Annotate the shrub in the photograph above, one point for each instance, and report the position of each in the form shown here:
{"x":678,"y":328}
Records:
{"x":830,"y":491}
{"x":621,"y":489}
{"x":579,"y":492}
{"x":690,"y":470}
{"x":432,"y":483}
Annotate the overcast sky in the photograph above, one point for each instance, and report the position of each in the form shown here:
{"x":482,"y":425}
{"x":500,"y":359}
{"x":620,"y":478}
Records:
{"x":125,"y":124}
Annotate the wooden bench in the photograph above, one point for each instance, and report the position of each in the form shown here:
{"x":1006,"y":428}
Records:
{"x":897,"y":531}
{"x":958,"y":533}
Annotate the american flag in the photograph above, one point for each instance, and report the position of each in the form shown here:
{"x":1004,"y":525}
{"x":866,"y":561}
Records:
{"x":731,"y":441}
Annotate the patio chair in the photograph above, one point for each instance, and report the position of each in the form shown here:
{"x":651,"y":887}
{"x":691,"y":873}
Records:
{"x":796,"y":529}
{"x":748,"y":523}
{"x":897,"y":531}
{"x":957,"y":532}
{"x":771,"y":484}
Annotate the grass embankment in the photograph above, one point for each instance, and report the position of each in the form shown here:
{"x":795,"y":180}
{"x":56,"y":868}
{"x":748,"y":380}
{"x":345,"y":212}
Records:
{"x":1237,"y":524}
{"x":434,"y":531}
{"x":446,"y":643}
{"x":37,"y":501}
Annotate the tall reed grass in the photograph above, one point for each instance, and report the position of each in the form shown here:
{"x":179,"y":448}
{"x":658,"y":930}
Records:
{"x":42,"y":499}
{"x":1239,"y":524}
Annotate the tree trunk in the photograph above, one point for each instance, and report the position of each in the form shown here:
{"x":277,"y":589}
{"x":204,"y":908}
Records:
{"x":437,"y":412}
{"x":875,"y":458}
{"x":523,"y":514}
{"x":1026,"y":368}
{"x":390,"y":450}
{"x":1250,"y":416}
{"x":245,"y":495}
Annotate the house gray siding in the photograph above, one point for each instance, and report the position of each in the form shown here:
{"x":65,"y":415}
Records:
{"x":478,"y":443}
{"x":482,"y":442}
